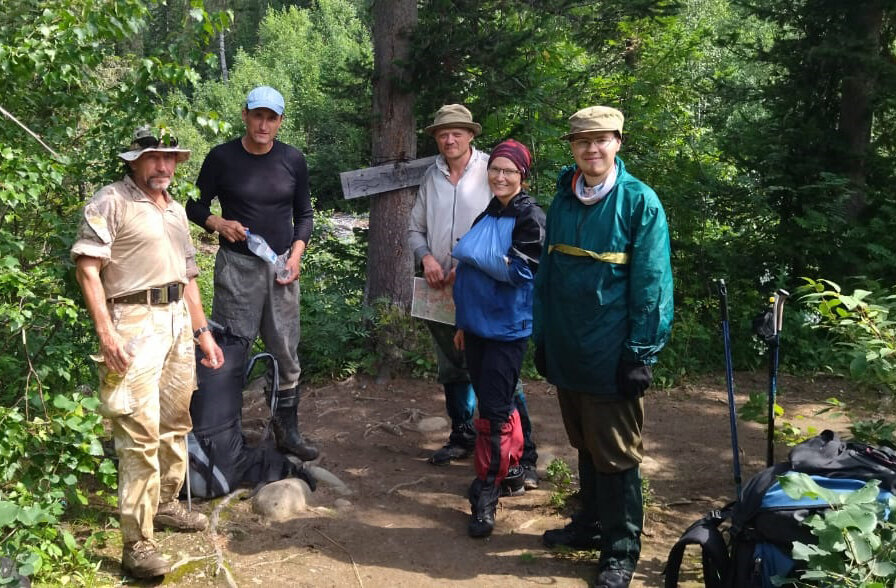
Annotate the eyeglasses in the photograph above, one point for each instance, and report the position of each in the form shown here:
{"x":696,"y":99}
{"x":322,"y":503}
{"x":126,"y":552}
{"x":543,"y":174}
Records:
{"x":582,"y":144}
{"x":508,"y":173}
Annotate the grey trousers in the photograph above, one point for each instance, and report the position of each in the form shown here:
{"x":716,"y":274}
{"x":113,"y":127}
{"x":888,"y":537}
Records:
{"x":249,"y":302}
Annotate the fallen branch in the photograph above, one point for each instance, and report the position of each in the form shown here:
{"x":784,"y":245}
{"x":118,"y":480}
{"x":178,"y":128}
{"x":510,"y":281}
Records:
{"x":405,"y":484}
{"x":348,"y":553}
{"x":213,"y":532}
{"x":8,"y":115}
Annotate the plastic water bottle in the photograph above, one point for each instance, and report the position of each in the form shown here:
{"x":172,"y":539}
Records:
{"x":260,"y":247}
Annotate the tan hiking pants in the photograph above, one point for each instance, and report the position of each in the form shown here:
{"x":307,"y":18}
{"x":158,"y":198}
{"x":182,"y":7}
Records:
{"x":149,"y":407}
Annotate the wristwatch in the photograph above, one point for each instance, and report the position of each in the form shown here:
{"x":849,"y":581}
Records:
{"x":199,"y":331}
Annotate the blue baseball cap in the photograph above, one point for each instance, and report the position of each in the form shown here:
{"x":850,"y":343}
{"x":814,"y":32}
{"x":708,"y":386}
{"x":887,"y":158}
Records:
{"x":265,"y":97}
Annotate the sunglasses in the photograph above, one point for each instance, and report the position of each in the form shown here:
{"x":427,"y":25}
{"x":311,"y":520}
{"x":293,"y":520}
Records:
{"x":150,"y":142}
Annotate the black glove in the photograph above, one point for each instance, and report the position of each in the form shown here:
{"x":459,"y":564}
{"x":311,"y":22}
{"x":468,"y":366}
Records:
{"x":632,"y":379}
{"x":541,"y":365}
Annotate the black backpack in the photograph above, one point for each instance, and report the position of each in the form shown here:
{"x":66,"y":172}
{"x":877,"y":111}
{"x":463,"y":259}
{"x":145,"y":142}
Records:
{"x":220,"y":460}
{"x":762,"y":526}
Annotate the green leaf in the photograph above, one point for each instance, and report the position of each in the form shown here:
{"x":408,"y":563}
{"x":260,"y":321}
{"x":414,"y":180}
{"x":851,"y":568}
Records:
{"x":9,"y":512}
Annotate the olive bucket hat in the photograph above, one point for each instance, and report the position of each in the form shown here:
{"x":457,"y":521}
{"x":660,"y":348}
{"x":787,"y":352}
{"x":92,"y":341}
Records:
{"x":453,"y":116}
{"x":594,"y":119}
{"x":160,"y":139}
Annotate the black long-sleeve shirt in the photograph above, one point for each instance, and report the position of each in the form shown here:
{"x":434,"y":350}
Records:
{"x":267,"y":193}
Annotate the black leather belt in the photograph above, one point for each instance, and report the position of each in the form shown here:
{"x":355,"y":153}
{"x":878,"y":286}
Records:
{"x":163,"y":295}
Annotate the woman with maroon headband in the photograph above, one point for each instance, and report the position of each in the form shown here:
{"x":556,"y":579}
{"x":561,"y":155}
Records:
{"x":493,"y":295}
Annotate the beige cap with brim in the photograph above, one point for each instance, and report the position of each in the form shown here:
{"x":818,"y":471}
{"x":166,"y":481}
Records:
{"x":594,"y":119}
{"x":144,"y":135}
{"x":454,"y":116}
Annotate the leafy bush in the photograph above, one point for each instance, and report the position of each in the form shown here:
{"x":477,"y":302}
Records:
{"x":863,"y":325}
{"x":41,"y":462}
{"x":334,"y":320}
{"x":856,"y":537}
{"x":560,"y":476}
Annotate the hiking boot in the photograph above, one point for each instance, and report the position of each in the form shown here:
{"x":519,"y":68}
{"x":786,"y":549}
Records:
{"x":173,"y":515}
{"x":141,"y":559}
{"x":613,"y":578}
{"x":289,"y":440}
{"x":514,"y":483}
{"x":578,"y":535}
{"x":530,"y":476}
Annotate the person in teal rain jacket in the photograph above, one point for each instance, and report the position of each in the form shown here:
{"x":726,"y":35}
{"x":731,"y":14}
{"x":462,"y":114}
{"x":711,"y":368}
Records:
{"x":602,"y":312}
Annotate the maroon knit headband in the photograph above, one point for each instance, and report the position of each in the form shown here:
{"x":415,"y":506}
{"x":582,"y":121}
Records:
{"x":515,"y":152}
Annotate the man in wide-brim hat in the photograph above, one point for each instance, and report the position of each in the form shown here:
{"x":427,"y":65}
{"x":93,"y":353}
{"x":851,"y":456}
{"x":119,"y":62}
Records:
{"x":603,"y":311}
{"x":137,"y":270}
{"x":453,"y":192}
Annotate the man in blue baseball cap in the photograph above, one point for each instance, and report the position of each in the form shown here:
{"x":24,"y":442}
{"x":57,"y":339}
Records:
{"x":262,"y":186}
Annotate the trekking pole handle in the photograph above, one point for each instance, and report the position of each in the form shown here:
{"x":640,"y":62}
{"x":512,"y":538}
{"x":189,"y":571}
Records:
{"x":781,"y":296}
{"x":723,"y":297}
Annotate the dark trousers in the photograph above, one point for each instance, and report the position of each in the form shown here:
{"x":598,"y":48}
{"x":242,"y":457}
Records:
{"x":494,"y":368}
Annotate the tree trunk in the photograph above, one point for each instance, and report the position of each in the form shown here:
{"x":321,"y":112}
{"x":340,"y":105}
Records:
{"x":389,"y":259}
{"x":864,"y":21}
{"x":222,"y":56}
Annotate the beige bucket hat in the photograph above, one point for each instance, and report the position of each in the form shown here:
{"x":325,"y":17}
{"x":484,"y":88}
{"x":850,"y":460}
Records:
{"x":594,"y":119}
{"x":160,"y":139}
{"x":456,"y":116}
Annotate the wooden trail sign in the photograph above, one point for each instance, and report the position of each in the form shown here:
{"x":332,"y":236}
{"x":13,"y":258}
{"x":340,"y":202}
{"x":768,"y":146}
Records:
{"x":383,"y":178}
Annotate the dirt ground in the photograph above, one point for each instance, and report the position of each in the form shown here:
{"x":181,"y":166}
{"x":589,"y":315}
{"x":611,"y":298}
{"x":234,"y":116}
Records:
{"x":406,"y":521}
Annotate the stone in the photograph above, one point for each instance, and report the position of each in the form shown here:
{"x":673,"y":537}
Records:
{"x":282,"y":500}
{"x":325,"y":477}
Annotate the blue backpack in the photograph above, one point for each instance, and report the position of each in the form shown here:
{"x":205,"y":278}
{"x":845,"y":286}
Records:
{"x":763,"y":525}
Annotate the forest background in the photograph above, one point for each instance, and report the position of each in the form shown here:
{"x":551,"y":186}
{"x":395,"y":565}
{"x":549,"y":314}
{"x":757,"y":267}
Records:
{"x":767,"y":127}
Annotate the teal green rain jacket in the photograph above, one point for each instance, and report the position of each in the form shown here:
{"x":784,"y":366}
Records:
{"x":603,"y":292}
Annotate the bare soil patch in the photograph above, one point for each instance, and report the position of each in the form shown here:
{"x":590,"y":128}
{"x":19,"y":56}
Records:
{"x":406,"y":524}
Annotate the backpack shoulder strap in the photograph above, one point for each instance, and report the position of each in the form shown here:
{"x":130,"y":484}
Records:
{"x":714,"y":553}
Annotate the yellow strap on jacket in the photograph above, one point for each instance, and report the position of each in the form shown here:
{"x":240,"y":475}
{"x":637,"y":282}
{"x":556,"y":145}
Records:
{"x":621,"y":258}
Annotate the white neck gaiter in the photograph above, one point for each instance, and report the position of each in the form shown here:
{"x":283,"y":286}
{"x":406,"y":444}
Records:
{"x":593,"y":194}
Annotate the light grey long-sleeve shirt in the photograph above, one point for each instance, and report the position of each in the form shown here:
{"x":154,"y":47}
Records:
{"x":444,"y":212}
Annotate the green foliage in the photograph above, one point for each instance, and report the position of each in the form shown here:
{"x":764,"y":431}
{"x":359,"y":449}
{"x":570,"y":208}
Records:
{"x":863,"y":325}
{"x":786,"y":432}
{"x":856,"y":537}
{"x":334,"y":320}
{"x":69,"y":75}
{"x":874,"y":432}
{"x":559,"y":474}
{"x":320,"y":58}
{"x":41,"y":462}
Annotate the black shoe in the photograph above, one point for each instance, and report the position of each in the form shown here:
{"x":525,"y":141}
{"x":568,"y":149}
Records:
{"x":448,"y":453}
{"x":530,"y":476}
{"x":514,"y":483}
{"x":613,"y":578}
{"x":289,"y":440}
{"x":577,"y":535}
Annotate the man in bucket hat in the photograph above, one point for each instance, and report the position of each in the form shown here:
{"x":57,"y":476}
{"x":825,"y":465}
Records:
{"x":137,"y":269}
{"x":453,"y":192}
{"x":262,"y":186}
{"x":603,"y":311}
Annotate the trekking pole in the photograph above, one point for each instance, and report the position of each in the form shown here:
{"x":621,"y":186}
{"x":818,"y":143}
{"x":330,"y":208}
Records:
{"x":189,"y":490}
{"x":774,"y":345}
{"x":729,"y":380}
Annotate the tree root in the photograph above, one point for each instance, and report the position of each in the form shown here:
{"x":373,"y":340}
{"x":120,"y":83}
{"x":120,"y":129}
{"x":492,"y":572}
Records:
{"x":213,"y":532}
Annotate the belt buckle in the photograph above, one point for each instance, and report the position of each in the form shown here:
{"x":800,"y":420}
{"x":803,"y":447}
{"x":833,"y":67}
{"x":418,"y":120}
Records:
{"x":173,"y":292}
